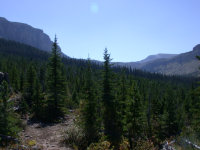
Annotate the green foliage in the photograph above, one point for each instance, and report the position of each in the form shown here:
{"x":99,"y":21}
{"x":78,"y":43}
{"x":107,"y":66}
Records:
{"x":55,"y":85}
{"x":137,"y":105}
{"x":38,"y":101}
{"x":75,"y":137}
{"x":111,"y":119}
{"x":135,"y":116}
{"x":8,"y":119}
{"x":90,"y":118}
{"x":29,"y":87}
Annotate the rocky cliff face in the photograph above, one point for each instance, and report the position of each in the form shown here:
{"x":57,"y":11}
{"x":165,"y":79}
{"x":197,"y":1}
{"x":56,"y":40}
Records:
{"x":24,"y":33}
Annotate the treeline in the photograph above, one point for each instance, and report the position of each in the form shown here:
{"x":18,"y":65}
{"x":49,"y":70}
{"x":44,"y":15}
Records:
{"x":116,"y":104}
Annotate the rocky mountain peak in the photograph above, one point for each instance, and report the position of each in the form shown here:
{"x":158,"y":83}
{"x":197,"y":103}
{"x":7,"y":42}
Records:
{"x":24,"y":33}
{"x":196,"y":48}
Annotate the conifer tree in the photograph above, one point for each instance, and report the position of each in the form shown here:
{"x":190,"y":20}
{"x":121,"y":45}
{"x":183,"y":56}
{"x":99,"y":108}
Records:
{"x":91,"y":122}
{"x":4,"y":108}
{"x":42,"y":78}
{"x":8,"y":120}
{"x":55,"y":85}
{"x":135,"y":118}
{"x":110,"y":117}
{"x":171,"y":116}
{"x":195,"y":109}
{"x":21,"y":82}
{"x":30,"y":80}
{"x":122,"y":100}
{"x":37,"y":100}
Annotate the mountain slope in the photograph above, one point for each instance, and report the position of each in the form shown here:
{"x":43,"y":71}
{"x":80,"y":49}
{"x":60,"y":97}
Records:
{"x":24,"y":33}
{"x":158,"y":56}
{"x":151,"y":58}
{"x":182,"y":64}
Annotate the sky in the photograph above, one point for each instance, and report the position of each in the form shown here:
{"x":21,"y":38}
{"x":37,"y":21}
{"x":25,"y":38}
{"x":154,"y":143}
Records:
{"x":130,"y":29}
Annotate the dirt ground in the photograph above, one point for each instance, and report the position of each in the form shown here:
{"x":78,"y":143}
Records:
{"x":46,"y":137}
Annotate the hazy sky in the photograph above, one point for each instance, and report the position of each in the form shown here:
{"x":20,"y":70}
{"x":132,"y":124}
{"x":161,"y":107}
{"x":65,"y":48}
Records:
{"x":130,"y":29}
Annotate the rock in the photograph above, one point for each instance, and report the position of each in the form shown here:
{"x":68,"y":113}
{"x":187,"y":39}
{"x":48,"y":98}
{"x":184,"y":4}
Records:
{"x":26,"y":136}
{"x":23,"y":147}
{"x":24,"y":33}
{"x":35,"y":147}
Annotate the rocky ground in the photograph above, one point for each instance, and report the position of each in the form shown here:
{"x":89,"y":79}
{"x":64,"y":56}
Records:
{"x":46,"y":137}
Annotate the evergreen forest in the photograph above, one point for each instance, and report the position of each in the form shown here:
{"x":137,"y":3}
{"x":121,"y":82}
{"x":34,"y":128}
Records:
{"x":115,"y":108}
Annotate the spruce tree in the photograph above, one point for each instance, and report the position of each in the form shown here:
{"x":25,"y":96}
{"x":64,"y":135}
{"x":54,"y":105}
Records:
{"x":91,"y":122}
{"x":37,"y":100}
{"x":195,"y":109}
{"x":135,"y":117}
{"x":8,"y":119}
{"x":171,"y":110}
{"x":122,"y":100}
{"x":21,"y":82}
{"x":4,"y":108}
{"x":55,"y":85}
{"x":110,"y":117}
{"x":30,"y":80}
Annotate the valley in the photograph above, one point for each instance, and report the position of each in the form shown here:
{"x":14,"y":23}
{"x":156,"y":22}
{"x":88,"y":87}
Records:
{"x":49,"y":101}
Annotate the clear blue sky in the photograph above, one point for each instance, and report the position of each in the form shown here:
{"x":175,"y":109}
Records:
{"x":130,"y":29}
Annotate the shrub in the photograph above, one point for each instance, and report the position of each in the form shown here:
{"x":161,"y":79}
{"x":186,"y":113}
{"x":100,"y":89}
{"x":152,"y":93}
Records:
{"x":104,"y":145}
{"x":144,"y":145}
{"x":75,"y":137}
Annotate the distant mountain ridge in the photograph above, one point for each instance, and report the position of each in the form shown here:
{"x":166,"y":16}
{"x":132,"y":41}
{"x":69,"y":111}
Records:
{"x":150,"y":58}
{"x":172,"y":64}
{"x":158,"y":56}
{"x":25,"y":34}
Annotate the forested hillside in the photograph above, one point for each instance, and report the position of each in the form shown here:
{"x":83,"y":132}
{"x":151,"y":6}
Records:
{"x":116,"y":108}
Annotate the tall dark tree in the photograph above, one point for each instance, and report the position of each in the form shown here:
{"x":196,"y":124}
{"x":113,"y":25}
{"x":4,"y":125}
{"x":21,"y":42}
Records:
{"x":135,"y":117}
{"x":195,"y":109}
{"x":30,"y":80}
{"x":4,"y":108}
{"x":90,"y":116}
{"x":110,"y":117}
{"x":8,"y":119}
{"x":37,"y":100}
{"x":55,"y":85}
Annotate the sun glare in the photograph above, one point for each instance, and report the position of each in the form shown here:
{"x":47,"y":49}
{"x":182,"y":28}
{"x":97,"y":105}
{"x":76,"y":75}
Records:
{"x":94,"y":8}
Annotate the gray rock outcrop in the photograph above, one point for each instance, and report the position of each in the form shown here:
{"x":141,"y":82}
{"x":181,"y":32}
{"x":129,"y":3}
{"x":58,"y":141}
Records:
{"x":25,"y":34}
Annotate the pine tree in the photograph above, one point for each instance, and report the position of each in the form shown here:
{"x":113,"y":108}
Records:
{"x":122,"y":100}
{"x":110,"y":117}
{"x":91,"y":122}
{"x":171,"y":110}
{"x":21,"y":82}
{"x":195,"y":109}
{"x":8,"y":120}
{"x":4,"y":109}
{"x":135,"y":117}
{"x":42,"y":78}
{"x":29,"y":91}
{"x":37,"y":100}
{"x":55,"y":85}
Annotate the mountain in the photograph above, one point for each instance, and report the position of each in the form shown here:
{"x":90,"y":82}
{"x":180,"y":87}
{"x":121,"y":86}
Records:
{"x":24,"y":33}
{"x":170,"y":64}
{"x":158,"y":56}
{"x":182,"y":64}
{"x":151,"y":58}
